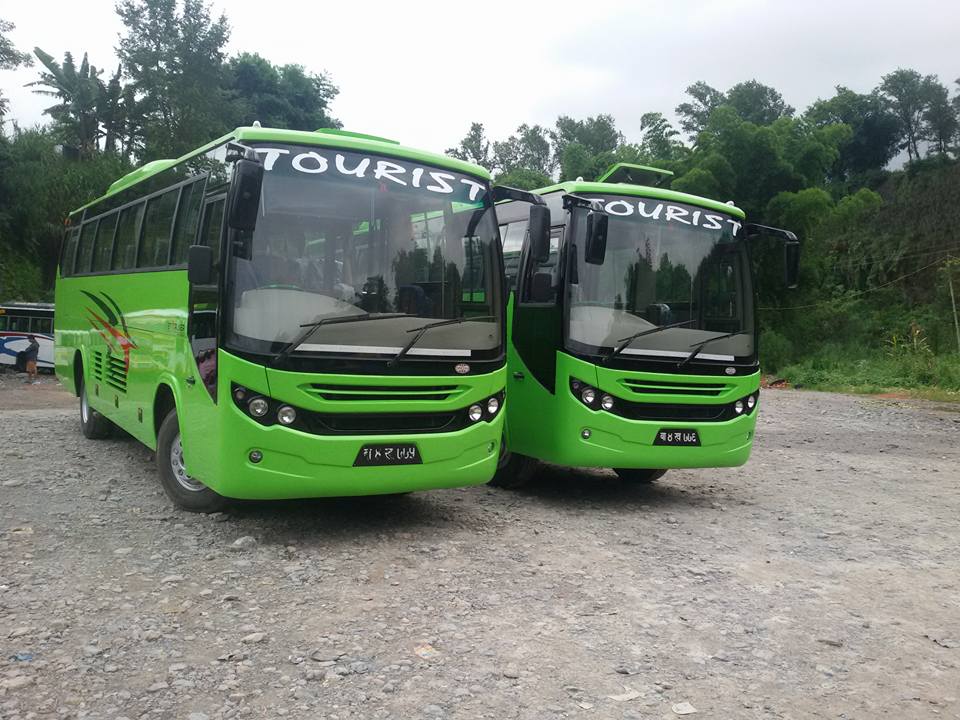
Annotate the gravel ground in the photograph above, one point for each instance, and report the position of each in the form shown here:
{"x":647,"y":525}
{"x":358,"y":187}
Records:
{"x":820,"y":580}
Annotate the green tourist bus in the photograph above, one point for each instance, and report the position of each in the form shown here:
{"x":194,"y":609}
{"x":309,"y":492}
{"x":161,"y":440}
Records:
{"x":632,"y":332}
{"x":286,"y":314}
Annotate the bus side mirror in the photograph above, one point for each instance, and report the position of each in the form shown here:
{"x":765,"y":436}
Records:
{"x":199,"y":265}
{"x":596,"y":248}
{"x":245,"y":194}
{"x":539,"y":228}
{"x":791,"y":264}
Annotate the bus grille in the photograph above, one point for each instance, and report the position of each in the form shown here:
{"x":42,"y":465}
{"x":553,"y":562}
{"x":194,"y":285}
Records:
{"x":382,"y":393}
{"x":381,"y":424}
{"x":660,"y":387}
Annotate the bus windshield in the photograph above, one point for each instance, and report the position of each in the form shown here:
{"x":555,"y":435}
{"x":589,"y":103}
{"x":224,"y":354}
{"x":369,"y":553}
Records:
{"x":666,"y":264}
{"x":344,"y":234}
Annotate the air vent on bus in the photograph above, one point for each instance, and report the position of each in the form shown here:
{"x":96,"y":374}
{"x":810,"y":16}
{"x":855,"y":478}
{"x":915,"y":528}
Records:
{"x":659,"y":387}
{"x":116,"y":373}
{"x":96,"y":370}
{"x":381,"y":393}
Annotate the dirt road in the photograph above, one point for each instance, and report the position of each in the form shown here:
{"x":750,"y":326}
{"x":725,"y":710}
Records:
{"x":820,"y":580}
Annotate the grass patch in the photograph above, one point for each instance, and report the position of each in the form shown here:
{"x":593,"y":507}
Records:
{"x":919,"y":374}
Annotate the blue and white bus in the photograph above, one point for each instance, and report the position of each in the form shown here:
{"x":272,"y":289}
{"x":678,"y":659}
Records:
{"x":18,"y":321}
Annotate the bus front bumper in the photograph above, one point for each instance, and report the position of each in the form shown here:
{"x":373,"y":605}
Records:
{"x":602,"y":439}
{"x":294,"y":464}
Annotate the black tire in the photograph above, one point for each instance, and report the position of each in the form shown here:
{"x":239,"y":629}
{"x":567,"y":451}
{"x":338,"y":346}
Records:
{"x":639,"y":476}
{"x":186,"y":492}
{"x":513,"y":470}
{"x":94,"y":425}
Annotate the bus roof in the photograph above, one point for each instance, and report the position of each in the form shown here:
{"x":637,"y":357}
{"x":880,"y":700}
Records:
{"x":580,"y":186}
{"x":324,"y":137}
{"x":26,"y":306}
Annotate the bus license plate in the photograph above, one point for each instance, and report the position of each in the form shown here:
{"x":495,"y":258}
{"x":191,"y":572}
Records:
{"x":389,"y":454}
{"x":677,"y":437}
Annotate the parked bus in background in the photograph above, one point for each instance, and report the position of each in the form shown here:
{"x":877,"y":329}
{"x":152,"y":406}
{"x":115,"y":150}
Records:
{"x":286,"y":314}
{"x":18,"y":321}
{"x":632,"y":334}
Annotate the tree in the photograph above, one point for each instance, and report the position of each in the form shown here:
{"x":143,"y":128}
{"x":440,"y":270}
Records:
{"x":694,"y":115}
{"x":528,"y":149}
{"x":596,"y":134}
{"x":659,"y":138}
{"x":474,"y":147}
{"x":278,"y":96}
{"x":909,"y":94}
{"x":523,"y":178}
{"x":10,"y":58}
{"x":81,"y":94}
{"x":875,"y":129}
{"x":175,"y":64}
{"x":757,"y":103}
{"x":939,"y":119}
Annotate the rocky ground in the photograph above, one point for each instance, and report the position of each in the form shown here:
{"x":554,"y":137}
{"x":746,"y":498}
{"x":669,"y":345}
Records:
{"x":820,"y":580}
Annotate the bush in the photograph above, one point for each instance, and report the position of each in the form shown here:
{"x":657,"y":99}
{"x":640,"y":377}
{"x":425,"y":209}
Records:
{"x":776,"y":351}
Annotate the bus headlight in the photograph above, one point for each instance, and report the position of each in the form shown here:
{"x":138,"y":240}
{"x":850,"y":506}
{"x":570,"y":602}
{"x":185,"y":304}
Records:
{"x":493,"y":404}
{"x":475,"y":413}
{"x":738,"y":407}
{"x":589,"y":395}
{"x":258,"y":407}
{"x":606,"y":402}
{"x":751,"y":401}
{"x":286,"y":415}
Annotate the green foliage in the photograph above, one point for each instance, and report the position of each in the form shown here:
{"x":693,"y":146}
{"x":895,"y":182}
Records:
{"x":474,"y":147}
{"x":528,"y":149}
{"x":523,"y":178}
{"x":174,"y":60}
{"x":284,"y":96}
{"x":776,"y":351}
{"x":844,"y":368}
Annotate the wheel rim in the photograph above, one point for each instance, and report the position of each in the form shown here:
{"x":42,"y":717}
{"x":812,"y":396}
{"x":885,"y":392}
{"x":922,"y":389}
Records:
{"x":180,"y":470}
{"x":84,"y":405}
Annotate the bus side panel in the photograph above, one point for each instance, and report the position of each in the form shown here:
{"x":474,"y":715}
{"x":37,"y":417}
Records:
{"x":129,"y":328}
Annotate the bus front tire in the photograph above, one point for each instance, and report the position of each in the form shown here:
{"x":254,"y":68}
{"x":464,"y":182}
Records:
{"x":513,"y":470}
{"x":94,"y":425}
{"x":641,"y":476}
{"x":185,"y":491}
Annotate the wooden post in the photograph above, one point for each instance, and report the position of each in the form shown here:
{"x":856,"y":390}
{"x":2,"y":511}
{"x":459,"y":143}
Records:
{"x":953,"y":302}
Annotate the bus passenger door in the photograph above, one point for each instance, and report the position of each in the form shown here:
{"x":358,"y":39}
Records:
{"x":535,"y":336}
{"x":199,"y":418}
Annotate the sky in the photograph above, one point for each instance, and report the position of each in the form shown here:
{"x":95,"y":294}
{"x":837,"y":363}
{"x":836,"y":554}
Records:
{"x":421,"y":72}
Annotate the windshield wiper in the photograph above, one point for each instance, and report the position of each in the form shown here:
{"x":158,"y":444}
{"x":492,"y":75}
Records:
{"x":422,"y":330}
{"x":699,"y":346}
{"x":310,"y":328}
{"x":625,"y":342}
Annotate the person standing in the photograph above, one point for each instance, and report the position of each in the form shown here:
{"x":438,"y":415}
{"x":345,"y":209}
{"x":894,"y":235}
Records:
{"x":30,"y":360}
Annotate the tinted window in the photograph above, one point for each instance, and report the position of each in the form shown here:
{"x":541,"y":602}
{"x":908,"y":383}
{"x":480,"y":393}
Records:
{"x":69,"y":251}
{"x":188,"y":218}
{"x":19,"y":324}
{"x":103,"y":247}
{"x":85,"y":253}
{"x":125,"y":255}
{"x":212,"y":224}
{"x":41,"y":325}
{"x":157,"y":225}
{"x":3,"y":322}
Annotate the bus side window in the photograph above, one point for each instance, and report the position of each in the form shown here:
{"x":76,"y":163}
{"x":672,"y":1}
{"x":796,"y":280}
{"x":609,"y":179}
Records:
{"x":188,"y":218}
{"x":157,"y":226}
{"x":212,"y":229}
{"x":103,"y":247}
{"x":512,"y":236}
{"x":44,"y":326}
{"x":3,"y":322}
{"x":85,"y":251}
{"x":128,"y":232}
{"x":69,"y":252}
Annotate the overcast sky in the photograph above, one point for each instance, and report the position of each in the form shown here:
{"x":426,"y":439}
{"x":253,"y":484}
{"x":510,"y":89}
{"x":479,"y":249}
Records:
{"x":420,"y":72}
